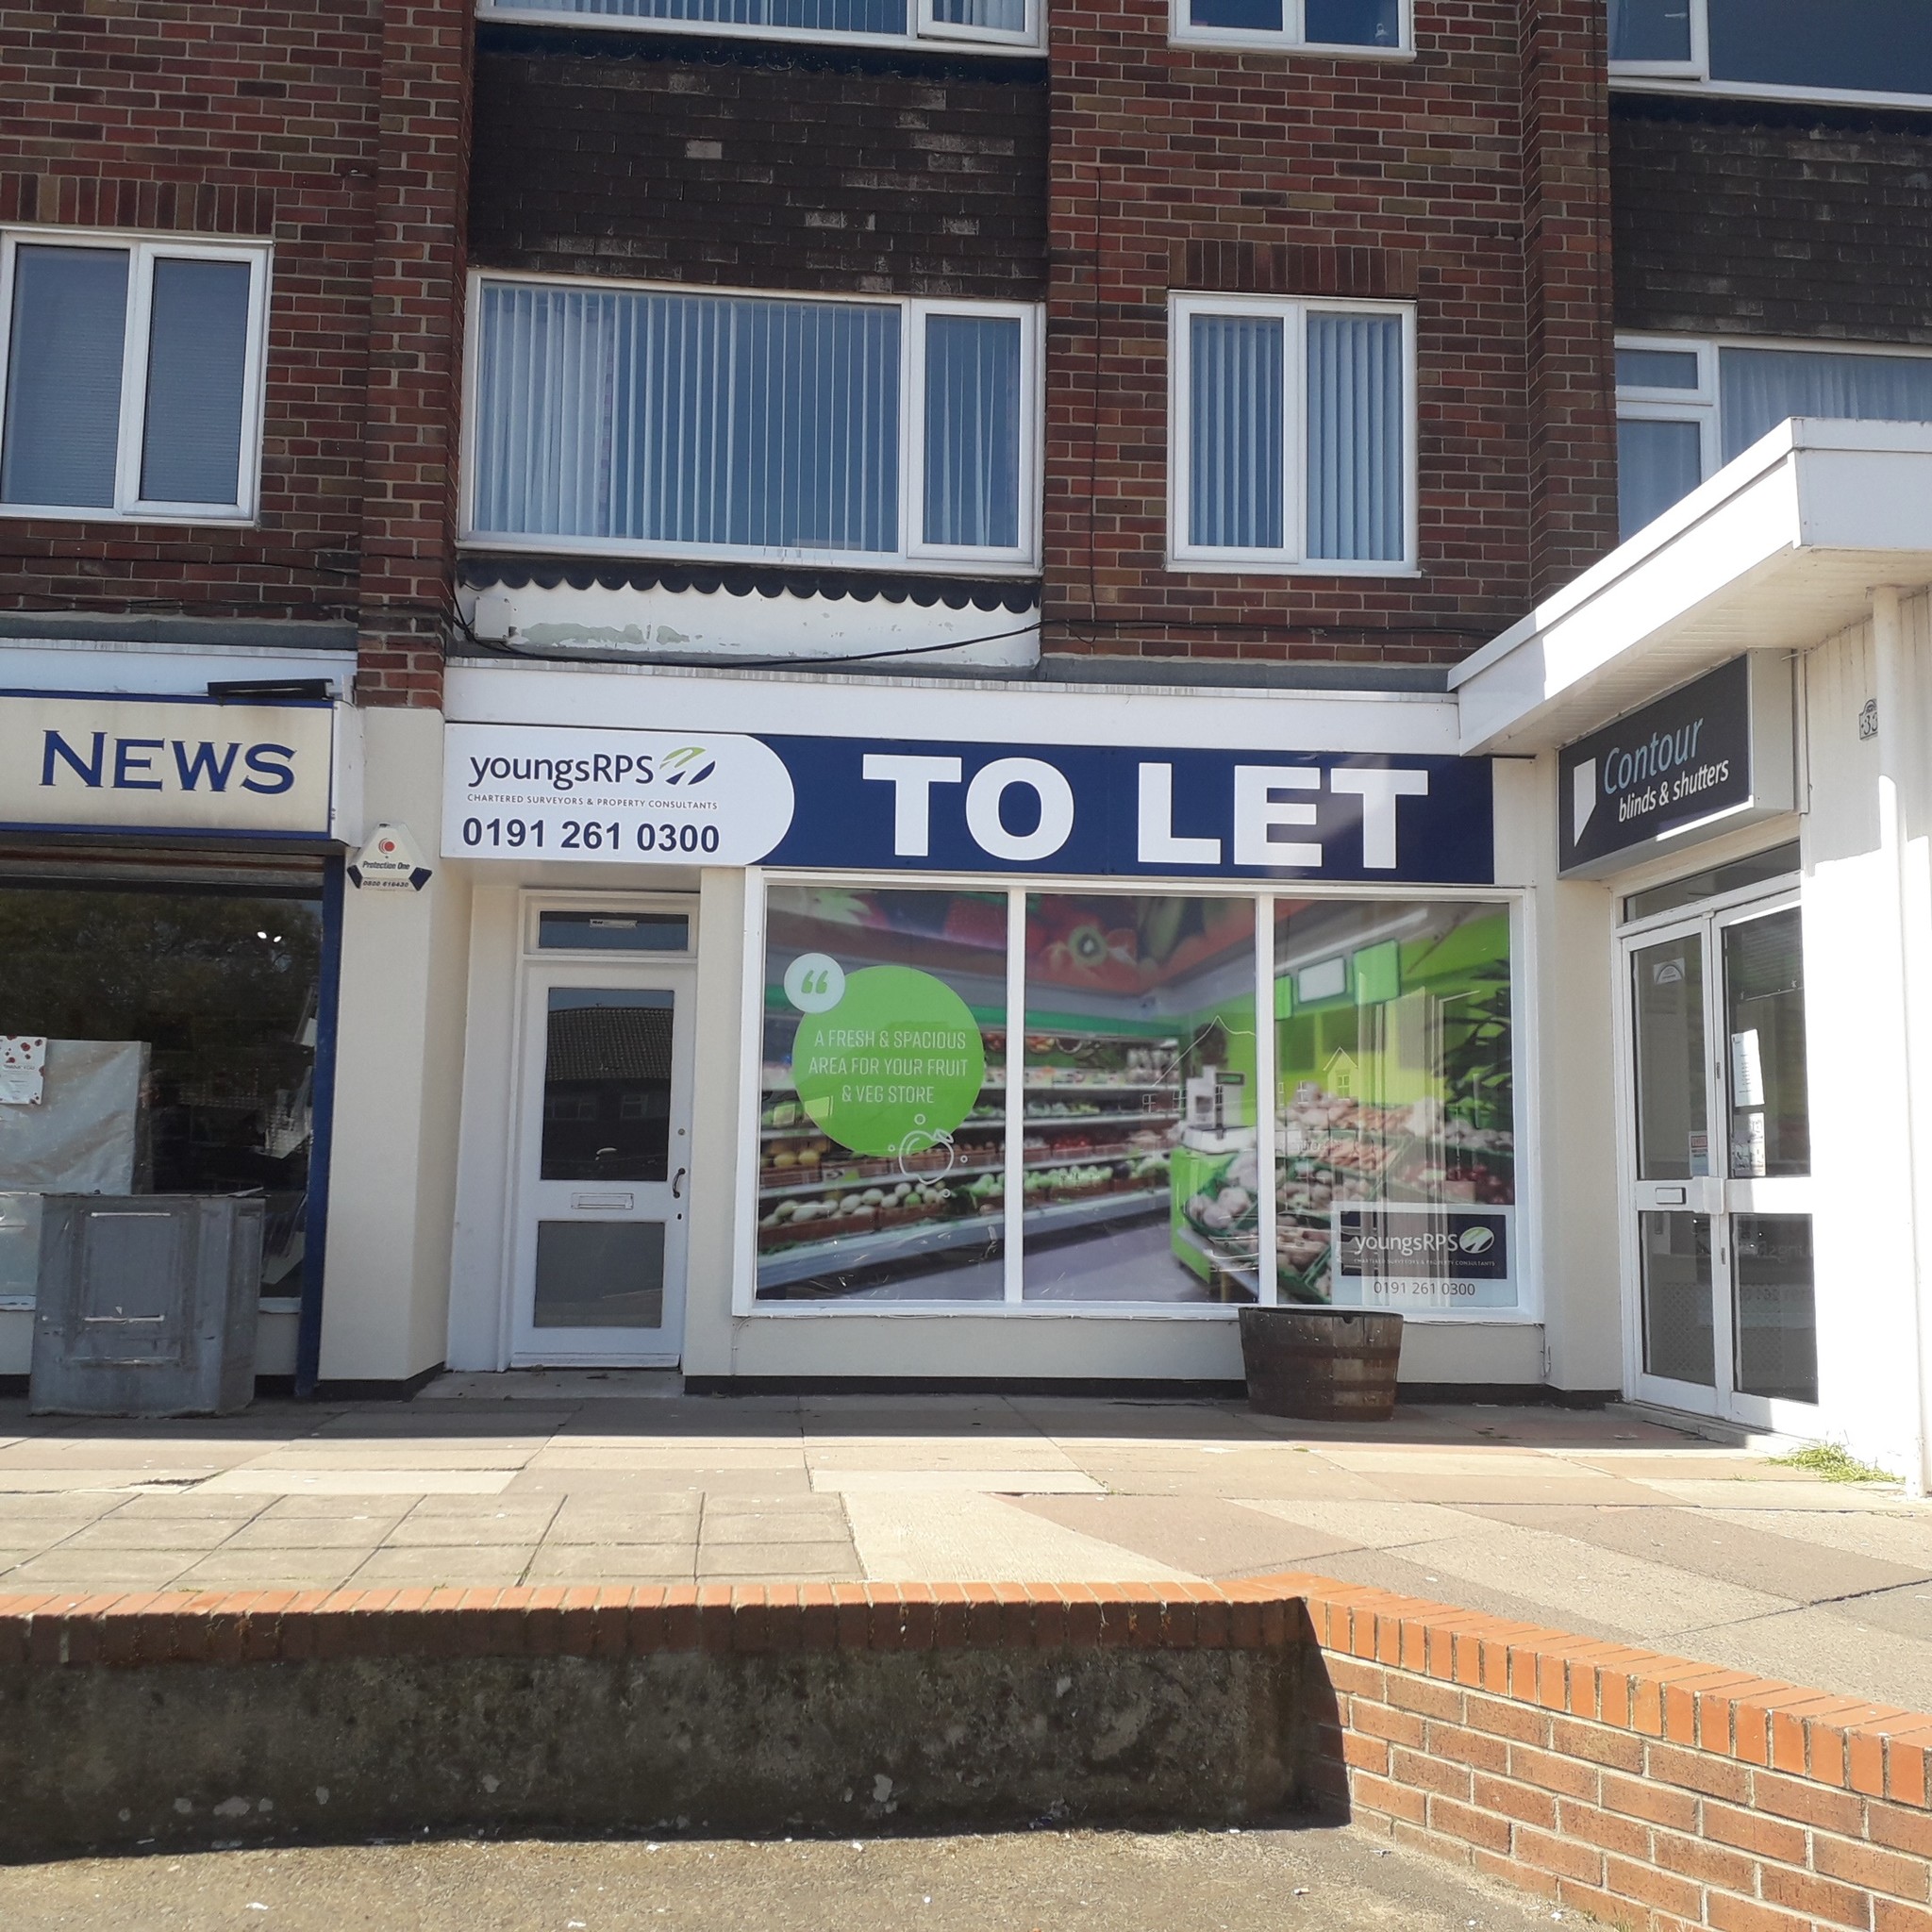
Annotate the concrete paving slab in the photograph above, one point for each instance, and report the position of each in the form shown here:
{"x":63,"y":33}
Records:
{"x":359,"y":1452}
{"x":1325,"y":1879}
{"x":1688,"y":1540}
{"x":1201,"y":1534}
{"x":652,"y":1519}
{"x":273,"y":1569}
{"x":93,"y":1570}
{"x":359,"y":1482}
{"x":476,"y":1566}
{"x":1891,"y":1536}
{"x":667,"y":1481}
{"x":902,"y":1538}
{"x":765,"y":1529}
{"x":1304,"y":1477}
{"x":998,"y":1482}
{"x":120,"y":1481}
{"x":1511,"y":1488}
{"x":1833,"y":1646}
{"x":1904,"y":1611}
{"x":448,"y":1531}
{"x":613,"y":1563}
{"x":1808,"y":1495}
{"x":1381,"y":1525}
{"x":823,"y":1562}
{"x":278,"y":1530}
{"x":976,"y":1452}
{"x":119,"y":1532}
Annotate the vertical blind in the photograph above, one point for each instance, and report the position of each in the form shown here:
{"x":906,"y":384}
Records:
{"x":1658,"y":464}
{"x":1650,"y":29}
{"x":688,"y":419}
{"x":989,"y":16}
{"x":63,"y":377}
{"x":741,"y":422}
{"x":197,"y":354}
{"x":1236,"y":432}
{"x":1759,"y":387}
{"x":807,"y":16}
{"x":973,"y":430}
{"x":1355,"y":435}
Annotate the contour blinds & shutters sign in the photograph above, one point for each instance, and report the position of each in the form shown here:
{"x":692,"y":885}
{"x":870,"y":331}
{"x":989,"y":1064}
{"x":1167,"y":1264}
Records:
{"x":79,"y":762}
{"x":1712,"y":755}
{"x":630,"y":797}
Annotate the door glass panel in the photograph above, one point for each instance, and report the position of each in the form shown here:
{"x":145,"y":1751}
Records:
{"x":613,"y":932}
{"x":1764,"y":1005}
{"x":1140,"y":1138}
{"x":607,"y":1084}
{"x":1678,"y":1342}
{"x":599,"y":1273}
{"x":1775,"y":1320}
{"x":1673,"y":1131}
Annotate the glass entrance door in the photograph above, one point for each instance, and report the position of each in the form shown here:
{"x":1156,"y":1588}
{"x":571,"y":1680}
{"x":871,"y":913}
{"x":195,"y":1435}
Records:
{"x":1723,"y":1319}
{"x":604,"y":1145}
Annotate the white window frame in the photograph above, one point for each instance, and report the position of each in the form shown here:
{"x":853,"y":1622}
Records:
{"x":143,"y":251}
{"x":1291,"y":560}
{"x":1021,"y":559}
{"x":1290,"y":37}
{"x":1694,"y":77}
{"x":1704,"y":405}
{"x":1031,"y":40}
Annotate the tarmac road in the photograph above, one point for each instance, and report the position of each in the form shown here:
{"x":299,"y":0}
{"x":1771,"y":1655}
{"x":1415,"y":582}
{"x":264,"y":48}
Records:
{"x":1323,"y":1879}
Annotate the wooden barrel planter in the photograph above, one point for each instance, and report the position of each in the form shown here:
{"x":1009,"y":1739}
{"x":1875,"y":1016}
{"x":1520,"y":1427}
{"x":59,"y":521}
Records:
{"x":1330,"y":1365}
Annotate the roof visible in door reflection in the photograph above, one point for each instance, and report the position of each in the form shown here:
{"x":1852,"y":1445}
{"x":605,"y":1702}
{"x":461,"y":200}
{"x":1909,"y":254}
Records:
{"x":608,"y":1044}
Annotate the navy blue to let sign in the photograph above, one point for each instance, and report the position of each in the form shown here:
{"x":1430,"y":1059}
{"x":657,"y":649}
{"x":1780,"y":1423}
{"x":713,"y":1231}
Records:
{"x":1119,"y":811}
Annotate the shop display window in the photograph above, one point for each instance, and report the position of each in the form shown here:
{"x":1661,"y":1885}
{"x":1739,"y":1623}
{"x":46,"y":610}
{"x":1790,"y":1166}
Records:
{"x":1138,"y":1122}
{"x":882,"y":1160}
{"x":1395,"y":1151}
{"x":180,"y":1029}
{"x":1110,"y":1148}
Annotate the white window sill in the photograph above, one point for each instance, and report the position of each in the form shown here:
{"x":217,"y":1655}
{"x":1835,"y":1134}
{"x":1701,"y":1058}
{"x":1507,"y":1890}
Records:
{"x":1248,"y":41}
{"x":137,"y":513}
{"x":1109,"y":1311}
{"x":1251,"y":566}
{"x":1637,"y":80}
{"x":694,"y":557}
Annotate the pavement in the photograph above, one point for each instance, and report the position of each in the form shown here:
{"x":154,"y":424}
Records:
{"x":1322,"y":1878}
{"x":1608,"y":1523}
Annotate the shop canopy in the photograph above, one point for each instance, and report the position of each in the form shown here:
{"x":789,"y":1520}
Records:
{"x":1778,"y":551}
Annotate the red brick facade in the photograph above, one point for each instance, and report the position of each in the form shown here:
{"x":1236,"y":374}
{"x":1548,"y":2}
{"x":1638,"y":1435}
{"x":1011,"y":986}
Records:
{"x":338,"y":131}
{"x":1469,"y":179}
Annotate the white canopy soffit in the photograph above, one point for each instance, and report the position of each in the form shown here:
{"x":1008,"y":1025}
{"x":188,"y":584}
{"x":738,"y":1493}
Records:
{"x":1779,"y":550}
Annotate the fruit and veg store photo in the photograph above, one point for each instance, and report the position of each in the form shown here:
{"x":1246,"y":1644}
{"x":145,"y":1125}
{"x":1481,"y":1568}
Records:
{"x":1056,"y":1097}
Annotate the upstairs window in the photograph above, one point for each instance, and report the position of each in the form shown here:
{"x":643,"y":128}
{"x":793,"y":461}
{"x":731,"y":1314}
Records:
{"x":1011,"y":25}
{"x":133,"y":376}
{"x":1685,"y":408}
{"x":1292,"y":443}
{"x":1330,"y":26}
{"x":1776,"y":47}
{"x":656,"y":422}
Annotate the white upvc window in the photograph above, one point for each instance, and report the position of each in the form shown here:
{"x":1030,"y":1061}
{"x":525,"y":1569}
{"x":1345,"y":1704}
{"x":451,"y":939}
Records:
{"x":1685,"y":407}
{"x":1348,"y":28}
{"x":1291,"y":436}
{"x":1877,"y":50}
{"x":133,"y":376}
{"x":999,"y":26}
{"x":615,"y":420}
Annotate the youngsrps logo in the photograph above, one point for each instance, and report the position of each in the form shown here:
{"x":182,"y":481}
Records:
{"x":675,"y":768}
{"x":1582,"y":798}
{"x":1476,"y":1240}
{"x":1421,"y":1244}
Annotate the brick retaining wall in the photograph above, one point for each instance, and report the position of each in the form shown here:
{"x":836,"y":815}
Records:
{"x":1652,"y":1792}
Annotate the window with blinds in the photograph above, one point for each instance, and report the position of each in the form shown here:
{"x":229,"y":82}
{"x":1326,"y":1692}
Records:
{"x":133,"y":372}
{"x":1292,"y":435}
{"x":1013,"y":25}
{"x":670,"y":422}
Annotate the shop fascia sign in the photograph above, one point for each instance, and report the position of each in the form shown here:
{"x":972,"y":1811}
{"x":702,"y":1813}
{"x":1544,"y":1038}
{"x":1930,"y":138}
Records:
{"x":856,"y":804}
{"x":1706,"y":759}
{"x":82,"y":762}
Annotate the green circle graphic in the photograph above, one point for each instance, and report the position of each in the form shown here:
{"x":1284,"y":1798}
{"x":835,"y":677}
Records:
{"x":898,"y":1060}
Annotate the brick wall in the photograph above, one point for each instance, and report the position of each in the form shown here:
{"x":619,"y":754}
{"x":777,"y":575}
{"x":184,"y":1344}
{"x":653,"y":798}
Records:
{"x":760,"y":165}
{"x":257,"y":121}
{"x":1755,"y":218}
{"x":1653,"y":1792}
{"x":1410,"y":176}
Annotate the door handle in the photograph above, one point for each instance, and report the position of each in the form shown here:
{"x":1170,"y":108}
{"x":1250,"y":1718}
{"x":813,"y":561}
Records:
{"x":677,"y":1183}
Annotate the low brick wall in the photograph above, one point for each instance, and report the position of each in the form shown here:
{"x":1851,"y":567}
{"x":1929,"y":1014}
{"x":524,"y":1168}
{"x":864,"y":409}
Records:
{"x":1648,"y":1791}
